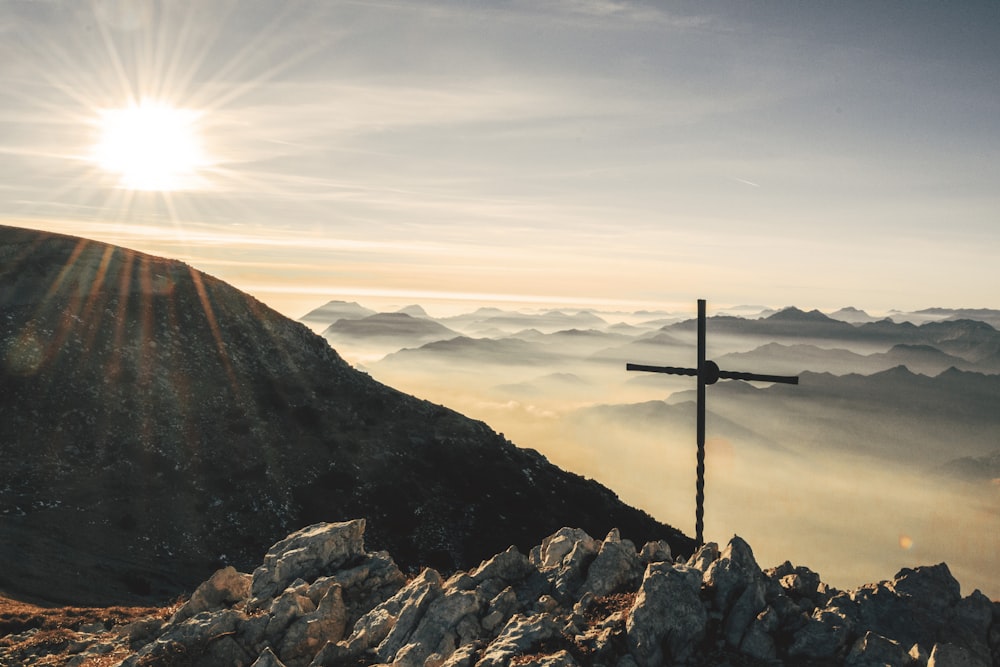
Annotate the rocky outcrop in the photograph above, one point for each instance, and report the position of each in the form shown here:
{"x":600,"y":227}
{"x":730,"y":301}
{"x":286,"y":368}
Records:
{"x":321,"y":600}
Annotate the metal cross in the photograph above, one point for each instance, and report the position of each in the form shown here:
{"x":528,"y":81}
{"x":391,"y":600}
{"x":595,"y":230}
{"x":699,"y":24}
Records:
{"x":707,"y":373}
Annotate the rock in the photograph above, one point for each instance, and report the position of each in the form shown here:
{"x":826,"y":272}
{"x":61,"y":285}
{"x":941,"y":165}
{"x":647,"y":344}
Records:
{"x":950,"y":655}
{"x":319,"y":549}
{"x":401,"y":613}
{"x":758,"y":641}
{"x":731,"y":573}
{"x":704,"y":556}
{"x":615,"y":567}
{"x":969,"y":626}
{"x":519,"y":636}
{"x":267,"y":658}
{"x":554,"y":548}
{"x":560,"y":658}
{"x":655,"y":552}
{"x":930,"y":587}
{"x":874,"y":650}
{"x":563,"y":558}
{"x":438,"y":629}
{"x":373,"y":581}
{"x":510,"y":566}
{"x":309,"y":633}
{"x":822,"y":638}
{"x":667,"y":621}
{"x":225,"y":587}
{"x":500,"y":608}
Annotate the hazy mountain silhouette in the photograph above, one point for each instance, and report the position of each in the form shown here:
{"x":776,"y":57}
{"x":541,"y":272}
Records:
{"x":156,"y":421}
{"x":332,"y":311}
{"x":396,"y":328}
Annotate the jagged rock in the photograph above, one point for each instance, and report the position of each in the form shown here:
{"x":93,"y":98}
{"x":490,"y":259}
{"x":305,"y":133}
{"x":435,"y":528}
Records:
{"x":225,"y":587}
{"x":310,"y":632}
{"x":508,"y":611}
{"x":706,"y":554}
{"x":288,"y":607}
{"x":196,"y":639}
{"x":560,"y":658}
{"x":438,"y":629}
{"x":950,"y":655}
{"x":267,"y":658}
{"x":655,"y":552}
{"x":510,"y":566}
{"x":364,"y":586}
{"x":873,"y":650}
{"x":500,"y":609}
{"x":738,"y":588}
{"x":554,"y":548}
{"x":316,"y":550}
{"x":823,"y":637}
{"x":519,"y":636}
{"x":758,"y":641}
{"x":564,"y":558}
{"x":401,"y":613}
{"x":668,"y":620}
{"x":616,"y":566}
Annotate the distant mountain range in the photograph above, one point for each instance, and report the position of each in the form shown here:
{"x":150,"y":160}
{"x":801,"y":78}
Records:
{"x":156,"y":423}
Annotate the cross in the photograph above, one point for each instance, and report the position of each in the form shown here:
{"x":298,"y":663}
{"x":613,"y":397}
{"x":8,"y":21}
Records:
{"x":707,"y":373}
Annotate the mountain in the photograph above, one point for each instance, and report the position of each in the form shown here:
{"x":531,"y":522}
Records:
{"x":853,"y":315}
{"x":157,"y":423}
{"x":885,"y":414}
{"x":400,"y":328}
{"x":332,"y":311}
{"x":779,"y":359}
{"x":413,"y":310}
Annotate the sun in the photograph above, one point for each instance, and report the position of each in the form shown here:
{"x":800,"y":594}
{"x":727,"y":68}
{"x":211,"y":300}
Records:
{"x":151,"y":145}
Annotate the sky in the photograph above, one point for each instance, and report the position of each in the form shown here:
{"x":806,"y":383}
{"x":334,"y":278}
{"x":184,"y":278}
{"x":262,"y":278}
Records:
{"x":591,"y":153}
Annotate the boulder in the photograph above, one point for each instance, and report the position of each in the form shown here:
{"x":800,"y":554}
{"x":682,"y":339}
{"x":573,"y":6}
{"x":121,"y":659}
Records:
{"x":319,"y":549}
{"x":667,"y":621}
{"x":950,"y":655}
{"x":311,"y":631}
{"x":823,"y":637}
{"x":438,"y":630}
{"x":616,"y":566}
{"x":267,"y":658}
{"x":519,"y":636}
{"x":874,"y":650}
{"x":224,"y":588}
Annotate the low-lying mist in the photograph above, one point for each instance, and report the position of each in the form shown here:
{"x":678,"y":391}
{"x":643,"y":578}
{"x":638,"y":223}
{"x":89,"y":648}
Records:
{"x":842,"y":473}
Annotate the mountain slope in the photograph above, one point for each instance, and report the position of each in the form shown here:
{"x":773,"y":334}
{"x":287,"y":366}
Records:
{"x":156,"y":422}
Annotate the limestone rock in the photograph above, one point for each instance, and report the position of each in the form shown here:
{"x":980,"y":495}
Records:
{"x":822,"y":638}
{"x":225,"y":587}
{"x":267,"y":658}
{"x":310,"y":632}
{"x":874,"y":650}
{"x":510,"y":566}
{"x":519,"y":636}
{"x":616,"y":566}
{"x":949,"y":655}
{"x":307,"y":554}
{"x":655,"y":552}
{"x":668,"y":620}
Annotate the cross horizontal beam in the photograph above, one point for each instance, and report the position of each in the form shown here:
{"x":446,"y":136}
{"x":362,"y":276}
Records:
{"x":723,"y":375}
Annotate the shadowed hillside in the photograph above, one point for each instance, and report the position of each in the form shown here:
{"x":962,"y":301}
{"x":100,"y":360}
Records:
{"x":157,"y":423}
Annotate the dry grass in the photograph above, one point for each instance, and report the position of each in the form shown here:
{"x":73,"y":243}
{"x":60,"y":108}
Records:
{"x":43,"y":635}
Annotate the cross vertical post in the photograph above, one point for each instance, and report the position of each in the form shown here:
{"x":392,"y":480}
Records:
{"x":699,"y":489}
{"x":707,"y":372}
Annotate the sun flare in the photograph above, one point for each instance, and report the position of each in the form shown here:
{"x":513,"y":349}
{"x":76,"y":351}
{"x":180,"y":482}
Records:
{"x":151,"y":146}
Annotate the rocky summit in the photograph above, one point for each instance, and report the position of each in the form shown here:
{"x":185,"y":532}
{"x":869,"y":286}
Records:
{"x":320,"y":598}
{"x":157,"y":423}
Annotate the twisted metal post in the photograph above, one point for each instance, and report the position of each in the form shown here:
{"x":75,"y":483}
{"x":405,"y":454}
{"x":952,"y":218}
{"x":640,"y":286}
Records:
{"x":703,"y":370}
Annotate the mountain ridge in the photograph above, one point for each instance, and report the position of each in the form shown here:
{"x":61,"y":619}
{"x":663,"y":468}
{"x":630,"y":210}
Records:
{"x":146,"y":399}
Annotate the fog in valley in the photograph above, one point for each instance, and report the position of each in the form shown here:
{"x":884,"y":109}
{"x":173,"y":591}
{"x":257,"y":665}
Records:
{"x":885,"y":456}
